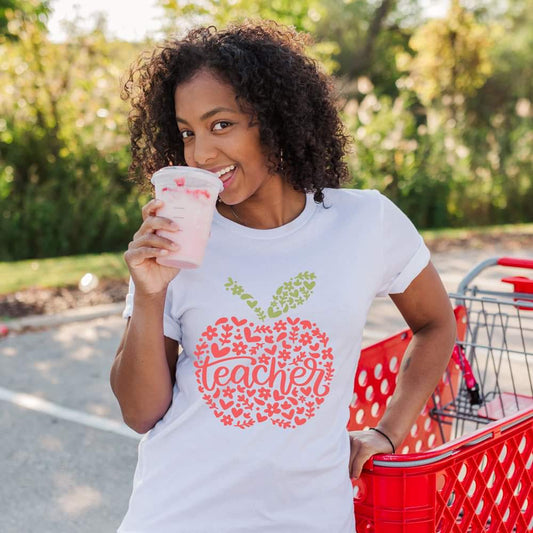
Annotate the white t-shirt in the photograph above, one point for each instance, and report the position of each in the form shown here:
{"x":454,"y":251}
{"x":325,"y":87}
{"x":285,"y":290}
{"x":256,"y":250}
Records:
{"x":271,"y":324}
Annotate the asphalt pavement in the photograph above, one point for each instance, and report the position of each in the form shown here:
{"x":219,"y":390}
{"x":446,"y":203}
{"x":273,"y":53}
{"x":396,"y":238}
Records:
{"x":66,"y":458}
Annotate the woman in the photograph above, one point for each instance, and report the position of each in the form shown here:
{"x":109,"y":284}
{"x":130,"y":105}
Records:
{"x":246,"y":429}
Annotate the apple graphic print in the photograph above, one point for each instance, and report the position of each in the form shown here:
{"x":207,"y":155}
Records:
{"x":276,"y":369}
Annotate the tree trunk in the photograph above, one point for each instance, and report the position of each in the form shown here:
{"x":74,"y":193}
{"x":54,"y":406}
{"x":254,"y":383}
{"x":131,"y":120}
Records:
{"x":363,"y":58}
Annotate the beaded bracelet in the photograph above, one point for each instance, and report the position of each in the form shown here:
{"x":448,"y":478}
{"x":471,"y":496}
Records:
{"x":386,"y":436}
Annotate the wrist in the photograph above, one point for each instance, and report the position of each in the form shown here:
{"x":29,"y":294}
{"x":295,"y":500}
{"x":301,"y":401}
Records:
{"x":385,"y":435}
{"x":149,"y":299}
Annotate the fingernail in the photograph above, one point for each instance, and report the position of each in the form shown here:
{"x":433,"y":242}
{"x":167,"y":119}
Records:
{"x":163,"y":252}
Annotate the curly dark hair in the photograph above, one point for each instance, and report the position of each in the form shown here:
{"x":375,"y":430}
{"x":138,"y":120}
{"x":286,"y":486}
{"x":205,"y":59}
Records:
{"x":283,"y":89}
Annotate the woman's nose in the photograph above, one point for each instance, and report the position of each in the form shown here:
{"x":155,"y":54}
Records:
{"x":204,"y":150}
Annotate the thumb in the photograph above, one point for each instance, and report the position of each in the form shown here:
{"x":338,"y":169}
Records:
{"x":358,"y":462}
{"x":354,"y":468}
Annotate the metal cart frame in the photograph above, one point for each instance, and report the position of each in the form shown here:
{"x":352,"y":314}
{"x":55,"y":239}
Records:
{"x":467,"y":464}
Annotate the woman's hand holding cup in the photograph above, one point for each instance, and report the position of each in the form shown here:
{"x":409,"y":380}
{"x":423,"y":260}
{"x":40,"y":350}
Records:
{"x":148,"y":275}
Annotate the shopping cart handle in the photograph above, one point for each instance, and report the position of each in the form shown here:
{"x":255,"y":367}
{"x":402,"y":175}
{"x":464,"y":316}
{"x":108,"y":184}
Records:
{"x":515,"y":262}
{"x":502,"y":261}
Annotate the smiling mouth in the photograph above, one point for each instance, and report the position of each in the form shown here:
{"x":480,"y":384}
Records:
{"x":224,"y":174}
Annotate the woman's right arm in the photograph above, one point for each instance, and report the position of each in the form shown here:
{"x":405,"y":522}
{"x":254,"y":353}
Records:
{"x":142,"y":374}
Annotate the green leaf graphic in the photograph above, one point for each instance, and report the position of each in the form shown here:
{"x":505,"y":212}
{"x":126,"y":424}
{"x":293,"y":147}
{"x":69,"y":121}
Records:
{"x":289,"y":295}
{"x":238,"y":290}
{"x":292,"y":293}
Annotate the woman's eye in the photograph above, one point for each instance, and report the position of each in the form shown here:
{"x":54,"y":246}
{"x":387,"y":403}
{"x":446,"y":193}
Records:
{"x":221,"y":125}
{"x":185,"y":134}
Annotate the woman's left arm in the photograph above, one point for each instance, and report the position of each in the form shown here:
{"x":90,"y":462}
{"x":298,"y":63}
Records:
{"x":427,"y":310}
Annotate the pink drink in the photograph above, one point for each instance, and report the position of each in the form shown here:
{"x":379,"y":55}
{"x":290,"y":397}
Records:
{"x":189,"y":196}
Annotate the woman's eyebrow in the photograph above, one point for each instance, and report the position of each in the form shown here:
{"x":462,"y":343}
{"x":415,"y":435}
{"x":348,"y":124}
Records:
{"x":210,"y":113}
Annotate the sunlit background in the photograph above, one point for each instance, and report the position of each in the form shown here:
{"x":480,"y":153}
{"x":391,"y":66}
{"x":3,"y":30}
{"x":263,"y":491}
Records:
{"x":436,"y":95}
{"x":133,"y":21}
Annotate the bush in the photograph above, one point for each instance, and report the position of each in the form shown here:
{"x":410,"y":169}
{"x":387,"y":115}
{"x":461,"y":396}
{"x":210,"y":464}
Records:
{"x":63,"y":146}
{"x":73,"y":204}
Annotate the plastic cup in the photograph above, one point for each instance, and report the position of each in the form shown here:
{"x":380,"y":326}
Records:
{"x":189,"y":195}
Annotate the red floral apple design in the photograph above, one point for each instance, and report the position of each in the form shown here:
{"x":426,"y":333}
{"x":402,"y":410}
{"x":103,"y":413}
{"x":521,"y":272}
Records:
{"x":273,"y":369}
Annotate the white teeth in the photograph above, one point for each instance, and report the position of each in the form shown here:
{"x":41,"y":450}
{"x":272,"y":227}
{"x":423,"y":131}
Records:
{"x":220,"y":173}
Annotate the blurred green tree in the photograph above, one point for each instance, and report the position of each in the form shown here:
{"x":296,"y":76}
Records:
{"x":450,"y":63}
{"x":349,"y":34}
{"x":464,"y":109}
{"x":451,"y":58}
{"x":304,"y":15}
{"x":501,"y":114}
{"x":13,"y":12}
{"x":63,"y":145}
{"x":440,"y":110}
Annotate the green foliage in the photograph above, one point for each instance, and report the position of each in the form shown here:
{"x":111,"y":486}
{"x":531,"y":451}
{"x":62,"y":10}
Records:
{"x":77,"y":203}
{"x":440,"y":111}
{"x":346,"y":41}
{"x":441,"y":170}
{"x":395,"y":155}
{"x":12,"y":12}
{"x":304,"y":15}
{"x":453,"y":146}
{"x":63,"y":147}
{"x":451,"y":56}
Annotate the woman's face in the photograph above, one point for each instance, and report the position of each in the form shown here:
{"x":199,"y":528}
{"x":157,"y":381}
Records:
{"x":218,"y":136}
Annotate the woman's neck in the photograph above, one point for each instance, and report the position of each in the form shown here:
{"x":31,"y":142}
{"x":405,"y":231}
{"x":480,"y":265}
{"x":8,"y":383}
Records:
{"x":268,"y":208}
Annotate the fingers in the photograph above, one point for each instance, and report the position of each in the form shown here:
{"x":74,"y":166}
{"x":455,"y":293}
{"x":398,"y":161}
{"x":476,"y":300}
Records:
{"x":152,"y":240}
{"x":148,"y":246}
{"x":152,"y":223}
{"x":358,"y":464}
{"x":363,"y":445}
{"x":136,"y":256}
{"x":146,"y":243}
{"x":150,"y":209}
{"x":358,"y":457}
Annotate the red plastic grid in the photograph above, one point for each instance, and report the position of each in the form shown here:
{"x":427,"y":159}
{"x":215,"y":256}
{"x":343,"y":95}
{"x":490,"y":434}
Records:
{"x":482,"y":482}
{"x":490,"y":490}
{"x":375,"y":381}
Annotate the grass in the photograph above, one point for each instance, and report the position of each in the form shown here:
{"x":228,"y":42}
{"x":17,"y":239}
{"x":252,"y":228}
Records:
{"x":462,"y":233}
{"x":59,"y":271}
{"x":62,"y":271}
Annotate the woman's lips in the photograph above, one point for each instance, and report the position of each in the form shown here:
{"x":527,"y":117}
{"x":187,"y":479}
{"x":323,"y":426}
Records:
{"x":227,"y":178}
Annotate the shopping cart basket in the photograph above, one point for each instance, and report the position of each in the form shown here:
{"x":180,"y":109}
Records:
{"x":467,"y":464}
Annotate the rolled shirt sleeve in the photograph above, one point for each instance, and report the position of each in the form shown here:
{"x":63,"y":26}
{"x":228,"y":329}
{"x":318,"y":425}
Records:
{"x":405,"y":254}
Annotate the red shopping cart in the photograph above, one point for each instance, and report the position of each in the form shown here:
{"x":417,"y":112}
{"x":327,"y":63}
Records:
{"x":467,"y":464}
